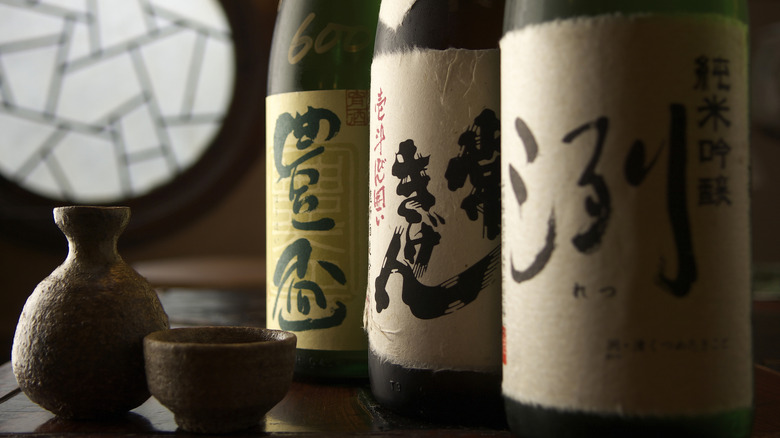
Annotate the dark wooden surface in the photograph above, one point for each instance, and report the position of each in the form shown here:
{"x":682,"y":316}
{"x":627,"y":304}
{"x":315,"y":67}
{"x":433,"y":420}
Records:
{"x":329,"y":410}
{"x":322,"y":410}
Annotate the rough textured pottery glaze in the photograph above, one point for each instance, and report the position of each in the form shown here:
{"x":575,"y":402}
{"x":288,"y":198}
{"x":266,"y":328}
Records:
{"x":219,"y":379}
{"x":78,"y":346}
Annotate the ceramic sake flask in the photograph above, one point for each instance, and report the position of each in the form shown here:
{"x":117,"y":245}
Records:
{"x":78,"y":346}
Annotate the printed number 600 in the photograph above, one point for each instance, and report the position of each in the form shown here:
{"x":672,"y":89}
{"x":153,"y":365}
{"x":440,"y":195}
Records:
{"x":352,"y":38}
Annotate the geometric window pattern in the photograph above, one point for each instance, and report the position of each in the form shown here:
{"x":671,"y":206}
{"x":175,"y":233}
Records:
{"x":105,"y":100}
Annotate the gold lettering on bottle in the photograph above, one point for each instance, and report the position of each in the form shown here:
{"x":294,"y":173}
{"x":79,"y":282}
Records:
{"x":351,"y":39}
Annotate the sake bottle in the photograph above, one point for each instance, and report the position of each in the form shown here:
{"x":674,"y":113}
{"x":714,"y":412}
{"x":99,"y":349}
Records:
{"x":317,"y":143}
{"x":433,"y":311}
{"x":626,"y":245}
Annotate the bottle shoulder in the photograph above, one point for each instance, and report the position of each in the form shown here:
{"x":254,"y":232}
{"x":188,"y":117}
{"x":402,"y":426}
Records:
{"x":320,"y":45}
{"x":520,"y":13}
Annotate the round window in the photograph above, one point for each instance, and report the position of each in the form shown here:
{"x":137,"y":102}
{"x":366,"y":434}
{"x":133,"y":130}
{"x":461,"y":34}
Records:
{"x":148,"y":103}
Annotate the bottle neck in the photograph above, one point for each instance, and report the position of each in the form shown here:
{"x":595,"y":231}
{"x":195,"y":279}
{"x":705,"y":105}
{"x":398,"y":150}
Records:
{"x":92,"y":232}
{"x":92,"y":251}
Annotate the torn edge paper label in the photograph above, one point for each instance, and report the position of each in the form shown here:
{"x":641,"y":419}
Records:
{"x":392,"y":13}
{"x":434,"y":260}
{"x":626,"y":257}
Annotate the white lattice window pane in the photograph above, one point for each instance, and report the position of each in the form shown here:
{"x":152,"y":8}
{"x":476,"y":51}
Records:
{"x":105,"y":100}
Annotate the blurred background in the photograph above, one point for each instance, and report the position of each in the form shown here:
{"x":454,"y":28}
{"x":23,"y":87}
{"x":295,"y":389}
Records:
{"x":176,"y":89}
{"x":179,"y":87}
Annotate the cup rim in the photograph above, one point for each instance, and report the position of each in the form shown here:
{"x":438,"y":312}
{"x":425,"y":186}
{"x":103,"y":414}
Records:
{"x":169,"y":337}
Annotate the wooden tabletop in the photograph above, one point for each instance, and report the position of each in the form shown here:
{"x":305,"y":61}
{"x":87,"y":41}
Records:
{"x":308,"y":410}
{"x":324,"y":410}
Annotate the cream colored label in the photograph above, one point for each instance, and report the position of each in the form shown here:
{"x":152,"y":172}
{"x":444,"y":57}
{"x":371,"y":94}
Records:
{"x":626,"y":253}
{"x":434,"y":294}
{"x":316,"y":191}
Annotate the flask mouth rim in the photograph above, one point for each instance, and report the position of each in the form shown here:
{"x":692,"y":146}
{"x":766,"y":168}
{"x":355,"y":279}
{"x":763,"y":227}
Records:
{"x":95,"y":221}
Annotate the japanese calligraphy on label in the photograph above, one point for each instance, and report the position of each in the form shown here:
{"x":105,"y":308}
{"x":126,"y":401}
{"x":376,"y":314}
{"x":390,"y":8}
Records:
{"x":626,"y":232}
{"x":316,"y":191}
{"x":434,"y":260}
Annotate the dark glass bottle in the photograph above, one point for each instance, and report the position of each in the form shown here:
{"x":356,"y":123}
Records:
{"x":317,"y":182}
{"x":434,"y":303}
{"x":625,"y":184}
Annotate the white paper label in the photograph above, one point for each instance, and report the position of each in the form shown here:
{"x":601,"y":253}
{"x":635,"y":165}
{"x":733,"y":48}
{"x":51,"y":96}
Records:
{"x":626,"y":253}
{"x":393,"y":12}
{"x":434,"y":294}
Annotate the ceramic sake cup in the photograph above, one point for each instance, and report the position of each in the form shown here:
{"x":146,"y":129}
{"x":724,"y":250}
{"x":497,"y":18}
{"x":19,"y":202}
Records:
{"x":219,"y":379}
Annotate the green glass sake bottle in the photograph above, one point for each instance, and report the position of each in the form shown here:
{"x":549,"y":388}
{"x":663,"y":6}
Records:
{"x":626,"y":287}
{"x":317,"y":143}
{"x":433,"y":311}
